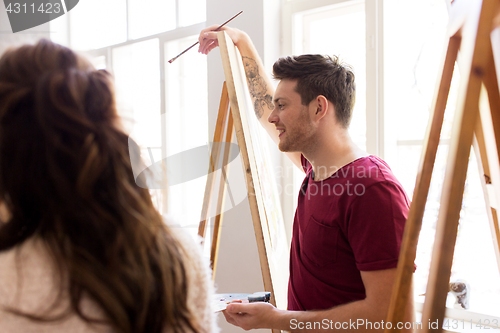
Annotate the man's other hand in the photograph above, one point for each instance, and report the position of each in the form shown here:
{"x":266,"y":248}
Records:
{"x":250,"y":315}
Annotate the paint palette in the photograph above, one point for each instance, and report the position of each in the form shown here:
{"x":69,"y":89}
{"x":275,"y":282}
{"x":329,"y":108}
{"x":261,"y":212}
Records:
{"x":220,"y":301}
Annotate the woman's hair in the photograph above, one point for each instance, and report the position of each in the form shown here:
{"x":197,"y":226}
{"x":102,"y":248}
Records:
{"x":320,"y":75}
{"x":66,"y":177}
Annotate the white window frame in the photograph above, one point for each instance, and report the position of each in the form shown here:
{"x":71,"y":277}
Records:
{"x":374,"y":75}
{"x":374,"y":61}
{"x":163,"y":37}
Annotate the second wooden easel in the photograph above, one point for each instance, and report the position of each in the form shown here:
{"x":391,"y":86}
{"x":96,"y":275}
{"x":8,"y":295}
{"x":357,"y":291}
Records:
{"x":221,"y":143}
{"x":471,"y":23}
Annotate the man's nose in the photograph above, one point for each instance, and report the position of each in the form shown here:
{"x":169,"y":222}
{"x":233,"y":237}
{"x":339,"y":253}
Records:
{"x":273,"y":117}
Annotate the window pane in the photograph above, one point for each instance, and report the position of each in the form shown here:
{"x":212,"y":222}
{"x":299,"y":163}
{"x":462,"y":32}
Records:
{"x":413,"y":45}
{"x":186,"y":124}
{"x":192,"y":12}
{"x":136,"y":69}
{"x":99,"y":62}
{"x":325,"y":33}
{"x":474,"y":260}
{"x":317,"y":32}
{"x":96,"y":23}
{"x":414,"y":40}
{"x":148,"y":17}
{"x":59,"y":30}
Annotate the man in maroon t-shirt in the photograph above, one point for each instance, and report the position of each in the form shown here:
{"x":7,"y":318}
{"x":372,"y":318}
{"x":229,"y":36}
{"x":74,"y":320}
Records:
{"x":351,"y":210}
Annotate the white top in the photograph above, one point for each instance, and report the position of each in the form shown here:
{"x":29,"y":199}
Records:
{"x":28,"y":283}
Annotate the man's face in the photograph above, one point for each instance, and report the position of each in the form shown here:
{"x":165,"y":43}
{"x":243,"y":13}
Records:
{"x":292,"y":119}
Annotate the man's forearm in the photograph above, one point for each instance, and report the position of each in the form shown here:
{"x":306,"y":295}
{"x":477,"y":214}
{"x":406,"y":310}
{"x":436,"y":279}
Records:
{"x":259,"y":84}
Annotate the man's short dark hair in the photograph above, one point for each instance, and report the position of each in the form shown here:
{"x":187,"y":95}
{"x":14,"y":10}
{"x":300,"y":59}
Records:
{"x":320,"y":75}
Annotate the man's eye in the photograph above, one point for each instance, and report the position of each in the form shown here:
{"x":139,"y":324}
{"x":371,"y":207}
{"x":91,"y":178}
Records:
{"x":281,"y":106}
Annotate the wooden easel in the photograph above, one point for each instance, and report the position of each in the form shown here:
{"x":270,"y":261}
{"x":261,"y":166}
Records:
{"x":261,"y":192}
{"x":221,"y":143}
{"x":477,"y":115}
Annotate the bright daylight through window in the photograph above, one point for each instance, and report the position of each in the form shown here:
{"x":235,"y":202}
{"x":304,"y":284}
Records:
{"x":157,"y":100}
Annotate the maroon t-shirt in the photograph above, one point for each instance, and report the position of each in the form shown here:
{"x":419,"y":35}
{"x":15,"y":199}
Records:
{"x":350,"y":222}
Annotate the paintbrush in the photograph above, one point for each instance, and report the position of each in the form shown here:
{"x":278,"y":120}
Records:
{"x":220,"y":26}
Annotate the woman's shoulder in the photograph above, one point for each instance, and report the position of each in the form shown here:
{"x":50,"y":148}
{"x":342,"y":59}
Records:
{"x":26,"y":267}
{"x":30,"y":282}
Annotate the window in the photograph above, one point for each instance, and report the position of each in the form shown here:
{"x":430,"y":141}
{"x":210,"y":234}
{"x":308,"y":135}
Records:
{"x":323,"y":31}
{"x":396,"y":48}
{"x":92,"y":29}
{"x":186,"y":117}
{"x":159,"y":15}
{"x":320,"y":34}
{"x":163,"y":105}
{"x":138,"y":97}
{"x":413,"y":48}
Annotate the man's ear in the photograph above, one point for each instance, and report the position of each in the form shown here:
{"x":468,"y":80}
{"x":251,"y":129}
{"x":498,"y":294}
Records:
{"x":321,"y":104}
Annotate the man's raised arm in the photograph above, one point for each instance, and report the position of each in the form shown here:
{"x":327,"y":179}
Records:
{"x":259,"y":84}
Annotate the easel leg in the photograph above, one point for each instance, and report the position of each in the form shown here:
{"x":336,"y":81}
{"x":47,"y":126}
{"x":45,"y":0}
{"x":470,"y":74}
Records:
{"x":413,"y":225}
{"x":224,"y":125}
{"x":449,"y":214}
{"x":214,"y":157}
{"x":214,"y":253}
{"x":484,"y":169}
{"x":488,"y":140}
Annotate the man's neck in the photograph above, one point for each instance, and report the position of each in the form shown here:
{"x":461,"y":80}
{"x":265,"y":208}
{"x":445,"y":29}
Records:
{"x":332,"y":153}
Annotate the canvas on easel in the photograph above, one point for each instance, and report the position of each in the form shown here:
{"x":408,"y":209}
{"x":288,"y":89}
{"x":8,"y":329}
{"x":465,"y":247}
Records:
{"x":260,"y":181}
{"x":236,"y":116}
{"x":477,"y":122}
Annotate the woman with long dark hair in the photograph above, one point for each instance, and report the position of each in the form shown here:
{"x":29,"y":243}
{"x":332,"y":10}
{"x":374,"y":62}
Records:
{"x":82,"y":248}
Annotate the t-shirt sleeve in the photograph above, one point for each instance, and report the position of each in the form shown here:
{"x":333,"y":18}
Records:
{"x":375,"y":226}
